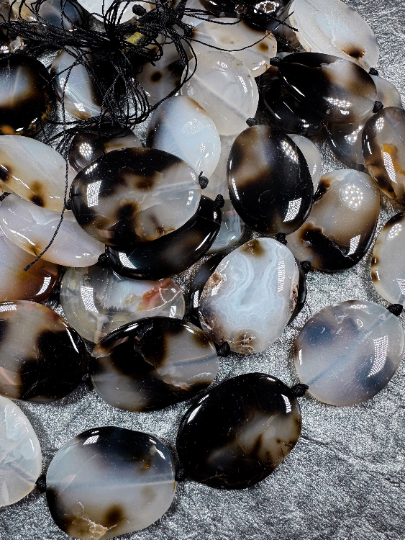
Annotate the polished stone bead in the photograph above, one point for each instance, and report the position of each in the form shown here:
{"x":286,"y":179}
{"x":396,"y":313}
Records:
{"x":348,"y":352}
{"x":345,"y":140}
{"x":225,"y":88}
{"x":153,"y":363}
{"x":33,"y":170}
{"x":269,"y":181}
{"x":74,"y":87}
{"x":74,"y":16}
{"x":16,"y":284}
{"x":384,"y":151}
{"x":220,"y":8}
{"x":218,"y":183}
{"x":109,"y":481}
{"x":333,"y":27}
{"x":87,"y":147}
{"x":231,"y":231}
{"x":24,"y":95}
{"x":334,"y":88}
{"x":312,"y":156}
{"x":388,"y":262}
{"x":181,"y":127}
{"x":174,"y":252}
{"x":134,"y":195}
{"x":341,"y":225}
{"x":253,"y":46}
{"x":31,"y":228}
{"x":20,"y":454}
{"x":96,"y":300}
{"x":42,"y":359}
{"x":239,"y":432}
{"x":250,"y":297}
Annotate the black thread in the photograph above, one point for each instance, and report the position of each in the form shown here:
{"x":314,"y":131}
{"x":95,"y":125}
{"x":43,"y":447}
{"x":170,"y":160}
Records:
{"x":298,"y":390}
{"x":306,"y":266}
{"x":219,"y":201}
{"x":203,"y":180}
{"x":104,"y":261}
{"x":374,"y":72}
{"x":281,"y":237}
{"x":68,"y":205}
{"x":378,"y":106}
{"x":395,"y":309}
{"x":252,"y":122}
{"x":223,"y":349}
{"x":275,"y":61}
{"x":41,"y":483}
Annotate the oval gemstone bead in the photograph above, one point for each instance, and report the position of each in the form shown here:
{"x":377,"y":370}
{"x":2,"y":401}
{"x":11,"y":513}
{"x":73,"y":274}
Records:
{"x":218,"y":183}
{"x":337,"y":89}
{"x":181,"y":127}
{"x":134,"y":195}
{"x":388,"y":262}
{"x":174,"y":252}
{"x":31,"y":228}
{"x":24,"y":95}
{"x":152,"y":363}
{"x":250,"y":297}
{"x":269,"y":181}
{"x":96,"y":300}
{"x":109,"y":481}
{"x":87,"y":147}
{"x":348,"y":352}
{"x":384,"y":151}
{"x":74,"y":86}
{"x":42,"y":359}
{"x":346,"y":140}
{"x":33,"y":170}
{"x":239,"y":432}
{"x":225,"y":88}
{"x":333,"y":27}
{"x":253,"y":46}
{"x":231,"y":231}
{"x":341,"y":225}
{"x":20,"y":454}
{"x":312,"y":156}
{"x":16,"y":284}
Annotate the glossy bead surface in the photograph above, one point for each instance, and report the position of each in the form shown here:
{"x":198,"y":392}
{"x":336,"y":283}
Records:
{"x":174,"y":252}
{"x":181,"y":127}
{"x":348,"y":352}
{"x":231,"y":231}
{"x":31,"y":228}
{"x":134,"y":195}
{"x":33,"y":170}
{"x":16,"y":284}
{"x":340,"y":227}
{"x":337,"y":89}
{"x":238,"y":433}
{"x":41,"y":358}
{"x":20,"y":454}
{"x":218,"y":183}
{"x":109,"y":481}
{"x":225,"y":88}
{"x":333,"y":27}
{"x":231,"y":34}
{"x":96,"y":300}
{"x":24,"y":95}
{"x":153,"y":363}
{"x":312,"y":156}
{"x":384,"y":151}
{"x":388,"y":262}
{"x":250,"y":297}
{"x":87,"y":147}
{"x":269,"y":182}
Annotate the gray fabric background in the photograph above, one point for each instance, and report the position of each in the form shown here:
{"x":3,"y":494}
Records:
{"x":345,"y":478}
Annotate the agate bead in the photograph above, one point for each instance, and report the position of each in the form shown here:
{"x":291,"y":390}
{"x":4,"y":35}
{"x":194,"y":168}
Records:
{"x":134,"y":195}
{"x":384,"y":151}
{"x":341,"y":225}
{"x":348,"y":352}
{"x":218,"y":183}
{"x":312,"y":156}
{"x":174,"y":252}
{"x":109,"y":481}
{"x":250,"y":297}
{"x":231,"y":231}
{"x":152,"y":363}
{"x":334,"y":88}
{"x":239,"y":432}
{"x":25,"y":95}
{"x":388,"y":262}
{"x":96,"y":300}
{"x":20,"y":454}
{"x":269,"y":181}
{"x":42,"y":359}
{"x":225,"y":88}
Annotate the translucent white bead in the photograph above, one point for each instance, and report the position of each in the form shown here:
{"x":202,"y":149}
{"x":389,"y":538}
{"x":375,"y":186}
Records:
{"x":312,"y":156}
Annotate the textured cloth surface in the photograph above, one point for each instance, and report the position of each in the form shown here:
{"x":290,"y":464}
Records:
{"x":344,"y":479}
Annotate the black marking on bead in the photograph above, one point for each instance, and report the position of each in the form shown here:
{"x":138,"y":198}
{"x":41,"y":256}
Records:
{"x":298,"y":390}
{"x":224,"y":349}
{"x":203,"y":180}
{"x":395,"y":309}
{"x":378,"y":106}
{"x":306,"y":266}
{"x":41,"y":483}
{"x":374,"y":72}
{"x":4,"y":173}
{"x":37,"y":200}
{"x":3,"y":196}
